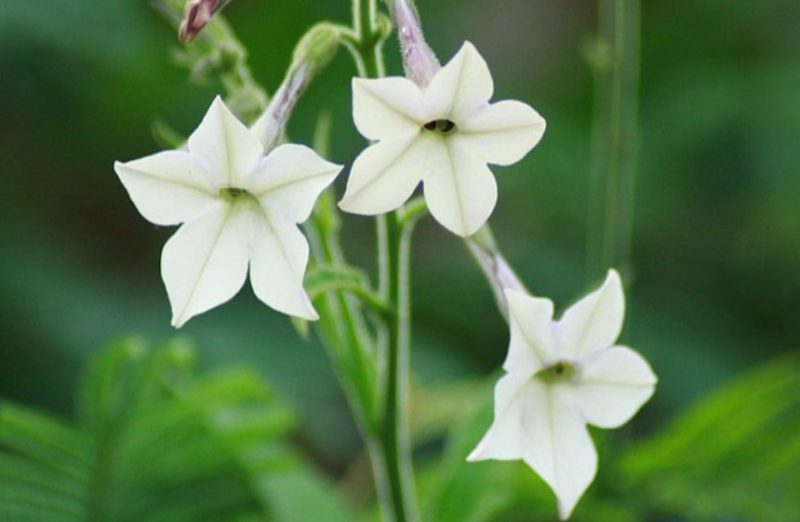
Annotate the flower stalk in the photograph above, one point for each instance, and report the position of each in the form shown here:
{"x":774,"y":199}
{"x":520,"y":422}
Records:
{"x":615,"y":138}
{"x":391,"y":451}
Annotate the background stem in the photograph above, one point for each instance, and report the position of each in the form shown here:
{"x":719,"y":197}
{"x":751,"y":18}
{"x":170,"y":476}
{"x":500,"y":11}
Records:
{"x":615,"y":140}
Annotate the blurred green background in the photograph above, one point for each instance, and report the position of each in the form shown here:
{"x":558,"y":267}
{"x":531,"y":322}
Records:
{"x":717,"y":225}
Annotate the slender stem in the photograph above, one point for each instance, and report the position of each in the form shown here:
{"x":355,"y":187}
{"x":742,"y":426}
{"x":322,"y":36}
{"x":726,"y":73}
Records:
{"x":395,"y":435}
{"x":615,"y":137}
{"x":395,"y":458}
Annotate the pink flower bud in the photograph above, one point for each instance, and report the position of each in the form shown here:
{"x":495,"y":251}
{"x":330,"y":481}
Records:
{"x":196,"y":15}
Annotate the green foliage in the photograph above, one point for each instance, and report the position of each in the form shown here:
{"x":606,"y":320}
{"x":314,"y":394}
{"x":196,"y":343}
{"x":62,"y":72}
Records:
{"x":733,"y":455}
{"x":154,"y":441}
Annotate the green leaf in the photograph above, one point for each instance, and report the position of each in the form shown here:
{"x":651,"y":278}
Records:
{"x":733,"y":455}
{"x":156,"y":442}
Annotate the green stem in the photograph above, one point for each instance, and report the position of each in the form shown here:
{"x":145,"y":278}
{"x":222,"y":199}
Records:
{"x":395,"y":436}
{"x":615,"y":137}
{"x":392,"y":462}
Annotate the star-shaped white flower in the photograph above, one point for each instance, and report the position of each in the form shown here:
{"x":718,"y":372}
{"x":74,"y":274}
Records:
{"x":561,"y":376}
{"x":444,"y":135}
{"x":240,"y":211}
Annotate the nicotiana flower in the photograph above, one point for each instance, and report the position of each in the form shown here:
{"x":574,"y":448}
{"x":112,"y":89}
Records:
{"x":240,"y":211}
{"x":561,"y":376}
{"x":443,"y":134}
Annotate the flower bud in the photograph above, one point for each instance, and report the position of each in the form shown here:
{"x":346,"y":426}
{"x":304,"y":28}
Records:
{"x":419,"y":60}
{"x":196,"y":16}
{"x":313,"y":52}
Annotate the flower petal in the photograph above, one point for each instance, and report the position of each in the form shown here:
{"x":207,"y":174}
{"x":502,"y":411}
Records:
{"x":228,"y":149}
{"x":387,"y":107}
{"x":204,"y":264}
{"x":503,"y":132}
{"x":385,"y":175}
{"x":280,"y":256}
{"x":167,"y":188}
{"x":594,"y":322}
{"x":533,"y":343}
{"x":291,"y":178}
{"x":461,"y":86}
{"x":504,"y":439}
{"x":614,"y":384}
{"x":557,"y":444}
{"x":460,"y":190}
{"x":540,"y":424}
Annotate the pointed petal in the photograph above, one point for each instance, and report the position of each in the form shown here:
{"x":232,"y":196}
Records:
{"x":228,"y":149}
{"x":385,"y":175}
{"x":533,"y":343}
{"x":594,"y":322}
{"x":614,"y":384}
{"x":387,"y":107}
{"x":557,"y":444}
{"x":204,"y":264}
{"x":167,"y":188}
{"x":460,"y":190}
{"x":291,"y":179}
{"x":540,"y":424}
{"x":461,"y":86}
{"x":504,"y":439}
{"x":504,"y":132}
{"x":280,"y":256}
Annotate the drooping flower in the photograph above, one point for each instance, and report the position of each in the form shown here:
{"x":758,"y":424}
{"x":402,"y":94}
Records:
{"x":240,"y":210}
{"x":561,"y":376}
{"x":444,"y":134}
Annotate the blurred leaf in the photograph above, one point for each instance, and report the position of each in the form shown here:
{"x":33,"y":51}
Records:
{"x":732,"y":456}
{"x":156,"y":442}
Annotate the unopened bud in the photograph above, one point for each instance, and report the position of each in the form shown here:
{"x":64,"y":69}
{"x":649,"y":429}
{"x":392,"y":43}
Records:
{"x":420,"y":62}
{"x":313,"y":52}
{"x":196,"y":16}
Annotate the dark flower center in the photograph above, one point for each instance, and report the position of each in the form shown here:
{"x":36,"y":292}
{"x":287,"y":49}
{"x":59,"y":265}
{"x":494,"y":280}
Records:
{"x":443,"y":126}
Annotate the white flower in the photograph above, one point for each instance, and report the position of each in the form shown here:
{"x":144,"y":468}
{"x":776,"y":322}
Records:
{"x":560,"y":376}
{"x":240,"y":210}
{"x":444,"y":135}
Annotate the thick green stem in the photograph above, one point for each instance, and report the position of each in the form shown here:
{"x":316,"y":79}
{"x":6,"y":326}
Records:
{"x":615,"y":137}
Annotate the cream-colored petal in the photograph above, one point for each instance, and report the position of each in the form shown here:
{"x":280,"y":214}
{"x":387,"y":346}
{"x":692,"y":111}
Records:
{"x":614,"y":384}
{"x":167,"y":188}
{"x":595,"y":322}
{"x":204,"y":264}
{"x":278,"y":264}
{"x":228,"y":150}
{"x":385,"y":175}
{"x":503,"y":132}
{"x":463,"y":85}
{"x":387,"y":107}
{"x":460,"y":190}
{"x":540,"y":424}
{"x":290,"y":179}
{"x":557,"y":444}
{"x":504,"y":439}
{"x":533,"y":343}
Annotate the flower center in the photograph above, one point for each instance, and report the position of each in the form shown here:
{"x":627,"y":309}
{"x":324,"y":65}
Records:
{"x":233,"y":194}
{"x":562,"y":371}
{"x":442,"y":126}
